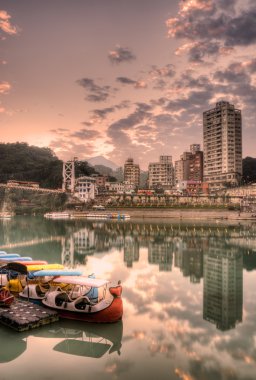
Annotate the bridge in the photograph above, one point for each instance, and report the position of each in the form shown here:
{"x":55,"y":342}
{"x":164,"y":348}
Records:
{"x":37,"y":189}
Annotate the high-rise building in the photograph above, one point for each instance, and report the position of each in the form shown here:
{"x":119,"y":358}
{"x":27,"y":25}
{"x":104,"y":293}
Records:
{"x":131,"y":172}
{"x":161,"y":173}
{"x":190,"y":165}
{"x":222,"y":127}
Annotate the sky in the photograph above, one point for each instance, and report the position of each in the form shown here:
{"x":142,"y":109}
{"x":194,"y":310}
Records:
{"x":124,"y":78}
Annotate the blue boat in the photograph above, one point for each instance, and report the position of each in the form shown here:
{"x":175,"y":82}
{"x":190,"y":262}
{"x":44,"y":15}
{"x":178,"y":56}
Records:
{"x":15,"y":258}
{"x":8,"y":255}
{"x":54,"y":273}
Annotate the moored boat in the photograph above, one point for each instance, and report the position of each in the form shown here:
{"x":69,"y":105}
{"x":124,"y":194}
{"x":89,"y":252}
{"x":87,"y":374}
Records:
{"x":74,"y":303}
{"x":6,"y":215}
{"x":107,"y":216}
{"x":57,"y":215}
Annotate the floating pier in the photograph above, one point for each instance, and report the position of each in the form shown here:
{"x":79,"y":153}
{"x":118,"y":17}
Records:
{"x":24,"y":315}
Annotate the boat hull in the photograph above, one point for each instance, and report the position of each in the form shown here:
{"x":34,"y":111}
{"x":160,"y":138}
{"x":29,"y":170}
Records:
{"x":110,"y":314}
{"x":6,"y":298}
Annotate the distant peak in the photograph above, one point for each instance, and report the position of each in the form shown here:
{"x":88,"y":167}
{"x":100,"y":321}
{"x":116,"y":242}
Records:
{"x":101,"y":160}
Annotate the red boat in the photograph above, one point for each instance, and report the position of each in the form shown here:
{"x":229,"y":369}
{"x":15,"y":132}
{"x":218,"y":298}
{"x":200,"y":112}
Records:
{"x":6,"y":298}
{"x":79,"y":303}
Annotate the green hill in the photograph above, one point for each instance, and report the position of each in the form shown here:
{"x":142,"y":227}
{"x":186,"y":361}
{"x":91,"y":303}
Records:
{"x":19,"y":161}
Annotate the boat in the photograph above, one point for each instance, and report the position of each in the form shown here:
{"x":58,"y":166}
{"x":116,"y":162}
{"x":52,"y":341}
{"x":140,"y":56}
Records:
{"x":15,"y":259}
{"x":37,"y":290}
{"x":107,"y":216}
{"x":37,"y":267}
{"x":74,"y":303}
{"x":6,"y":215}
{"x":6,"y":298}
{"x":57,"y":215}
{"x":9,"y":255}
{"x":33,"y":262}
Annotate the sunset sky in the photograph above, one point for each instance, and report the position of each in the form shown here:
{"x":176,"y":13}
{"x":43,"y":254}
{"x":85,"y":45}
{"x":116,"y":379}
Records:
{"x":124,"y":78}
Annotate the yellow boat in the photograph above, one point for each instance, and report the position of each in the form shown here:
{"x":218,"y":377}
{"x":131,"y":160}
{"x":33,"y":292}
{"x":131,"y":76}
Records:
{"x":44,"y":267}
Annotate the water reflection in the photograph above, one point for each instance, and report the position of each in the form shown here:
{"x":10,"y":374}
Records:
{"x":223,"y":286}
{"x":75,"y":338}
{"x":188,"y":291}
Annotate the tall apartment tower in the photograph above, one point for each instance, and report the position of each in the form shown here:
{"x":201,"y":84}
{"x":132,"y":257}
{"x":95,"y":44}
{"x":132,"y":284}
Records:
{"x":161,"y":173}
{"x":131,"y":172}
{"x":222,"y":127}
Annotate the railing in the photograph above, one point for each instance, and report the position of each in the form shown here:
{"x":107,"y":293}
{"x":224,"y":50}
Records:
{"x":38,"y":189}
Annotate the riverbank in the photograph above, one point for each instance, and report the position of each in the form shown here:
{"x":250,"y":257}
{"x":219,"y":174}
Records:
{"x":186,"y":214}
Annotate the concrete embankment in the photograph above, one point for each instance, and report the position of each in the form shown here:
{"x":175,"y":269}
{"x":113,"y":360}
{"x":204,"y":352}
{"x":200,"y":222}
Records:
{"x":185,"y":214}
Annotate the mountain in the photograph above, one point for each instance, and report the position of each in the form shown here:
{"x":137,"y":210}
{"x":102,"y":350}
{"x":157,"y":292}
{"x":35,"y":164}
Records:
{"x":100,"y":160}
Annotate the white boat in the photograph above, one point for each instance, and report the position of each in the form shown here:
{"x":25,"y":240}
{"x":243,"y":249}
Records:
{"x":6,"y":215}
{"x":107,"y":216}
{"x":76,"y":303}
{"x":57,"y":215}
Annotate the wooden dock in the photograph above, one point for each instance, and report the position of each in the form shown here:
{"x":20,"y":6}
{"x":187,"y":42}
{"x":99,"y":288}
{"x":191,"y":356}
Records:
{"x":24,"y":315}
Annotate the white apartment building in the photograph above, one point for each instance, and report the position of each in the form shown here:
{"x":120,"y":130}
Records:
{"x":120,"y":187}
{"x":222,"y":127}
{"x":161,"y":173}
{"x":85,"y":188}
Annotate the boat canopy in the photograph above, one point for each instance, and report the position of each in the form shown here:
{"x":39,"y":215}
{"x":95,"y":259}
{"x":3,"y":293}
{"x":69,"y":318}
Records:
{"x":55,"y":272}
{"x":17,"y":267}
{"x":82,"y":280}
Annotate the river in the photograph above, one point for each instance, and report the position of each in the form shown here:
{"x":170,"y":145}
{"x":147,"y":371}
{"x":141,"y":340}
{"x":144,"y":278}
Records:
{"x":189,"y":295}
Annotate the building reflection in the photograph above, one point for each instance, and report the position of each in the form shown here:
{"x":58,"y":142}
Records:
{"x":131,"y":251}
{"x":223,"y":286}
{"x":189,"y":258}
{"x":160,"y":252}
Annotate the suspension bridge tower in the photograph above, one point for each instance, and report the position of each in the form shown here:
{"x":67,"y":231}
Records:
{"x":68,"y":175}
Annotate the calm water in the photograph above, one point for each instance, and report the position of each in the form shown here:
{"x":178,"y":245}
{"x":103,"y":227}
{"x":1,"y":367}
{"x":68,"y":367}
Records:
{"x":189,"y":293}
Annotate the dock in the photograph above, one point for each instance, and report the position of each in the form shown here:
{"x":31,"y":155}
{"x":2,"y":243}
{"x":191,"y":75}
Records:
{"x":24,"y":315}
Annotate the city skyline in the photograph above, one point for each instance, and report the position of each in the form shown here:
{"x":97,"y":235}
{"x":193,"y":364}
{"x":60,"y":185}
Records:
{"x":124,"y":78}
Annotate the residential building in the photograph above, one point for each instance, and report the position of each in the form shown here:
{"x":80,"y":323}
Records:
{"x":85,"y":188}
{"x":196,"y":166}
{"x":161,"y":173}
{"x":222,"y":127}
{"x":131,"y":172}
{"x":190,"y":165}
{"x":120,"y":187}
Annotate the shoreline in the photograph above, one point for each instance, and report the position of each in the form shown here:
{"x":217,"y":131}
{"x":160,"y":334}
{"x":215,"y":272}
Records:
{"x":188,"y":214}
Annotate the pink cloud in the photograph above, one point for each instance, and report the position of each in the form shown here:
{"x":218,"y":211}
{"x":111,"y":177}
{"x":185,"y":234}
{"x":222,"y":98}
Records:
{"x":5,"y":24}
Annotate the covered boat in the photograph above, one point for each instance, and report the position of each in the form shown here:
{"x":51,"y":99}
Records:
{"x":74,"y":303}
{"x":37,"y":290}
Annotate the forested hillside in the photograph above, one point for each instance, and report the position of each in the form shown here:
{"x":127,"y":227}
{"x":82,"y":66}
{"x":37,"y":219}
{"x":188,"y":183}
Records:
{"x":249,"y":170}
{"x":22,"y":162}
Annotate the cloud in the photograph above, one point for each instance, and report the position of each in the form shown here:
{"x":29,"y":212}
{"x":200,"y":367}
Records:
{"x":136,"y":84}
{"x":213,"y":26}
{"x":85,"y":134}
{"x":165,"y":71}
{"x":5,"y":24}
{"x":160,"y":76}
{"x":102,"y":113}
{"x":4,"y":87}
{"x":121,"y":54}
{"x":95,"y":93}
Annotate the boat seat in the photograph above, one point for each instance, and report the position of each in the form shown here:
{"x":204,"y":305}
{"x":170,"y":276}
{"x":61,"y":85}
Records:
{"x":82,"y":302}
{"x":61,"y":298}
